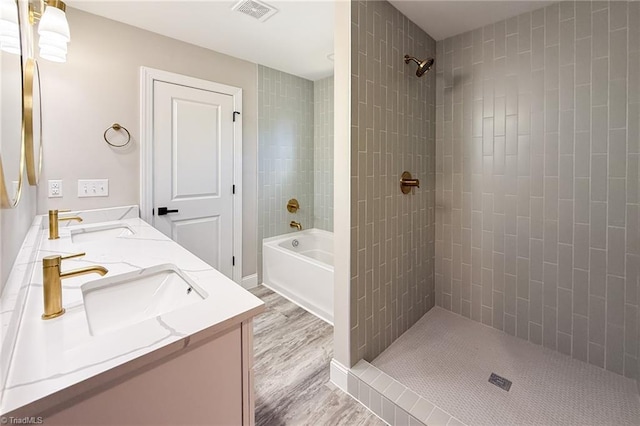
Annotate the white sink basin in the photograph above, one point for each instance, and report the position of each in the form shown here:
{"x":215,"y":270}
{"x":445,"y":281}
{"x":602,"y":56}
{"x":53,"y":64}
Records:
{"x":112,"y":303}
{"x":102,"y":231}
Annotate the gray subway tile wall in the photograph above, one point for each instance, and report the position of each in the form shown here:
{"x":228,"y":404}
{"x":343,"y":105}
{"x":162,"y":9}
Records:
{"x":323,"y":153}
{"x":631,"y":345}
{"x":393,"y":130}
{"x":537,"y":152}
{"x":285,"y":153}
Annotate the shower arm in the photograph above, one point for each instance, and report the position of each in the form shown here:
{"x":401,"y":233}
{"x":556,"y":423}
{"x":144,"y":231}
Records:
{"x":408,"y":58}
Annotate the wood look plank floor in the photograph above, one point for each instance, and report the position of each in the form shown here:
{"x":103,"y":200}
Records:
{"x":293,"y":350}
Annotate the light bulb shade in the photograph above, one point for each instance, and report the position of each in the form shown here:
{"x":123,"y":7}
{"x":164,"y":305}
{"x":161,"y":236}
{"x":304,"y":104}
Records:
{"x":10,"y":45}
{"x":54,"y":25}
{"x":59,"y":50}
{"x":52,"y":42}
{"x":9,"y":21}
{"x":53,"y":54}
{"x":8,"y":12}
{"x":9,"y":30}
{"x":53,"y":49}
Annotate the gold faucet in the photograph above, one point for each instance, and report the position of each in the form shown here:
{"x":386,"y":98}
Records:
{"x":52,"y":282}
{"x":295,"y":224}
{"x":53,"y":222}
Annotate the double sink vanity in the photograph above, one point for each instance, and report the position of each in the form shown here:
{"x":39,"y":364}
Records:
{"x":161,"y":338}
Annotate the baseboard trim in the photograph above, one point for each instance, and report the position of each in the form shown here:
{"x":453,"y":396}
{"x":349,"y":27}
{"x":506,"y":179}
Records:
{"x":250,"y":281}
{"x":339,"y":374}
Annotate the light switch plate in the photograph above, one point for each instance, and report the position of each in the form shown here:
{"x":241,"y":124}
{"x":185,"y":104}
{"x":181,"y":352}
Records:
{"x":93,"y":188}
{"x":55,"y":188}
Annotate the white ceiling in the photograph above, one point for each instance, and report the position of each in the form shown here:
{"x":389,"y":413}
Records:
{"x":296,"y":40}
{"x":299,"y":37}
{"x":442,"y":19}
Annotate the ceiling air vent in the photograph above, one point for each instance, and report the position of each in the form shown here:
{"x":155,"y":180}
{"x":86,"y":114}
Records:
{"x":256,"y":9}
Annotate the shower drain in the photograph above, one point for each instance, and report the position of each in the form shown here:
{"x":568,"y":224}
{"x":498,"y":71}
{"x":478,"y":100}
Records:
{"x":500,"y":382}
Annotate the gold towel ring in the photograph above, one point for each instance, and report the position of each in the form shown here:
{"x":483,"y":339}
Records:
{"x":117,"y":128}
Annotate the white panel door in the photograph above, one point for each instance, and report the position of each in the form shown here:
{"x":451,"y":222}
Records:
{"x":193,"y":171}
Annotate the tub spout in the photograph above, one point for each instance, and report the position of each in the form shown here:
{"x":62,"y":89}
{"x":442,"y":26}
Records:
{"x":295,"y":224}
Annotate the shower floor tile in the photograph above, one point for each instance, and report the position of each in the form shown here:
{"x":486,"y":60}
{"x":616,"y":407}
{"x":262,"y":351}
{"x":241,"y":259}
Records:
{"x":448,"y":359}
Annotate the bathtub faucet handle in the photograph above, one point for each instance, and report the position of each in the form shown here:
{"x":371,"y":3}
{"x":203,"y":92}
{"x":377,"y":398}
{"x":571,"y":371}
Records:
{"x":295,"y":224}
{"x":293,"y":205}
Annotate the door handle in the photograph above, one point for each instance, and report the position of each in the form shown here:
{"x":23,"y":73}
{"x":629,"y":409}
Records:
{"x":163,"y":210}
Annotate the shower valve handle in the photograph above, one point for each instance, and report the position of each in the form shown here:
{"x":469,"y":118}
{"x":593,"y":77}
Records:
{"x":407,"y":182}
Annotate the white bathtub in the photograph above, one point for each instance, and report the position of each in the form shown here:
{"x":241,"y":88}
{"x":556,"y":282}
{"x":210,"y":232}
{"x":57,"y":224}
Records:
{"x":299,"y":266}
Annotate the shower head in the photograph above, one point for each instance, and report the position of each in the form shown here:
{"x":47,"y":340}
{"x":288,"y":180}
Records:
{"x":423,"y":66}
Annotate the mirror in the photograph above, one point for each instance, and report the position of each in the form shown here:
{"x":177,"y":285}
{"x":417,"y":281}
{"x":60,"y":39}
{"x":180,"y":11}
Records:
{"x":11,"y":107}
{"x":32,"y":121}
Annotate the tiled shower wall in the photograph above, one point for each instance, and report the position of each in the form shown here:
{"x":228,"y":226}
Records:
{"x":323,"y":153}
{"x":285,"y":153}
{"x":393,"y":130}
{"x":537,"y":178}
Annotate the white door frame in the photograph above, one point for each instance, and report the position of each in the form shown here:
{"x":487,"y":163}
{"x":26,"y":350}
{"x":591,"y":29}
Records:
{"x":147,"y":78}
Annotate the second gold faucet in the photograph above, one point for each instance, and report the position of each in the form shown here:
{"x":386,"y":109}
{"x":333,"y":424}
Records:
{"x":53,"y":222}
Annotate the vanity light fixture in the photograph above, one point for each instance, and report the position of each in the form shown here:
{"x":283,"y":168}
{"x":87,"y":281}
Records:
{"x":53,"y":28}
{"x":9,"y":27}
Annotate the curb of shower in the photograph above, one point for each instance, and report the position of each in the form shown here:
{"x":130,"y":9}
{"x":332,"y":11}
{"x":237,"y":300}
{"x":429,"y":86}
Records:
{"x":392,"y":401}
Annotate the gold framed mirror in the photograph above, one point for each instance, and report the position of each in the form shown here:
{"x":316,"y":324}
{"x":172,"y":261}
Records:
{"x":12,"y":106}
{"x":32,"y":121}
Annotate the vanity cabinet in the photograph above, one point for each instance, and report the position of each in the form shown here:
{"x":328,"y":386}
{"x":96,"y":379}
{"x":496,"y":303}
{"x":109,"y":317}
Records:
{"x":207,"y":383}
{"x":183,"y":366}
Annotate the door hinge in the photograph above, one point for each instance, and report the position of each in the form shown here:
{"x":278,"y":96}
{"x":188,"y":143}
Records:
{"x":153,"y":212}
{"x":233,"y":261}
{"x":233,"y":189}
{"x":234,"y":115}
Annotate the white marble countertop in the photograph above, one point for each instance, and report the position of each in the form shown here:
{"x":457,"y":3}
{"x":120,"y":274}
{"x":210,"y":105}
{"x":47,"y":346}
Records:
{"x":58,"y":359}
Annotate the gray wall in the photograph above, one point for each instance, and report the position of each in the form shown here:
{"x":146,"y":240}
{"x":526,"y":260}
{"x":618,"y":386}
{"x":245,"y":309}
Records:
{"x":537,"y":178}
{"x":99,"y":85}
{"x":285,"y":154}
{"x":393,"y":129}
{"x":634,"y":38}
{"x":323,"y":154}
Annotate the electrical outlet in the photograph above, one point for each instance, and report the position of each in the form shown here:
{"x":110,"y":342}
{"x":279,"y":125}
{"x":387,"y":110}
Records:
{"x":93,"y":188}
{"x":55,"y":188}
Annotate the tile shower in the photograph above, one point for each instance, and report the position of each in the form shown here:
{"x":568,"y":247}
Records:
{"x":537,"y":179}
{"x":526,"y":140}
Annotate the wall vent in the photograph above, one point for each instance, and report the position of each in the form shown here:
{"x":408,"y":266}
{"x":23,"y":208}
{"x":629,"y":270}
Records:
{"x":256,"y":9}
